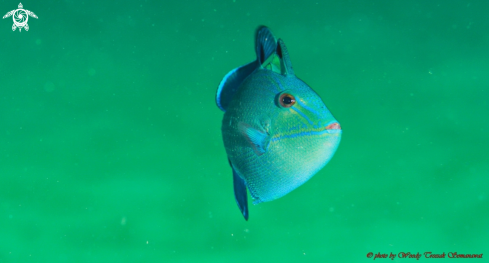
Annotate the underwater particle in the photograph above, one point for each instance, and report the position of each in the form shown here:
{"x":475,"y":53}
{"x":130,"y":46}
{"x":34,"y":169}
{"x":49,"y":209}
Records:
{"x":91,"y":72}
{"x":123,"y":221}
{"x":38,"y":41}
{"x":49,"y":86}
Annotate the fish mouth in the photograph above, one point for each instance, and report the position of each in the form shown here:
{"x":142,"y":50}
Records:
{"x":333,"y":127}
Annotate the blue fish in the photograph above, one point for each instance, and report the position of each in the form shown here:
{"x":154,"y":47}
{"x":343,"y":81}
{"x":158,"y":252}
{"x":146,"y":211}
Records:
{"x":277,"y":131}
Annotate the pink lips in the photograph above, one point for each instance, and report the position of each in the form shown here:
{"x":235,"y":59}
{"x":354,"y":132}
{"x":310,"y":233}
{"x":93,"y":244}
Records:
{"x":333,"y":126}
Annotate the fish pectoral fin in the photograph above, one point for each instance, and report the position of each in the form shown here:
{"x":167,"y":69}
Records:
{"x":231,"y":82}
{"x":240,"y":193}
{"x":258,"y":140}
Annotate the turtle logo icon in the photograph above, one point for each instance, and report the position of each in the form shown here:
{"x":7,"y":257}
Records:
{"x":20,"y":17}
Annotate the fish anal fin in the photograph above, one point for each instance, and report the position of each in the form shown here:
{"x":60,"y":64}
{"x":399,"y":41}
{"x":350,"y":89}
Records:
{"x":240,"y":193}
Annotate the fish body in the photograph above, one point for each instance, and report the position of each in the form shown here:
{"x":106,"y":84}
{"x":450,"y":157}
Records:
{"x":277,"y":131}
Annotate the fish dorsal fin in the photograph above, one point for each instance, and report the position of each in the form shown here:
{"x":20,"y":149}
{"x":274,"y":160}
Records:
{"x":265,"y":44}
{"x":279,"y":61}
{"x":283,"y":54}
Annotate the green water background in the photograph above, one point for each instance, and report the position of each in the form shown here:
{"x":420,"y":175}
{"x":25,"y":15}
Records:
{"x":111,"y":151}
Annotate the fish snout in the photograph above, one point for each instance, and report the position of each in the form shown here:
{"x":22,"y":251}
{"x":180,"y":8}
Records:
{"x":333,"y":126}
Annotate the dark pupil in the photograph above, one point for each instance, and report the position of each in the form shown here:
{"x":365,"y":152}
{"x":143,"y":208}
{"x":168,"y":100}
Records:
{"x":287,"y":100}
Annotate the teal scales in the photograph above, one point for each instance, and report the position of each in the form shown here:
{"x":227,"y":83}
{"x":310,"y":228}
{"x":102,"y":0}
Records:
{"x":277,"y":131}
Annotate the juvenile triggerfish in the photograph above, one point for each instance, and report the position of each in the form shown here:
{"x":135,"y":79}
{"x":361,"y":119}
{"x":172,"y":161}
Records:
{"x":276,"y":130}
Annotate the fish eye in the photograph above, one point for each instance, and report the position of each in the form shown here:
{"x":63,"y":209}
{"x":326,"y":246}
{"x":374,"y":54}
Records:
{"x":286,"y":100}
